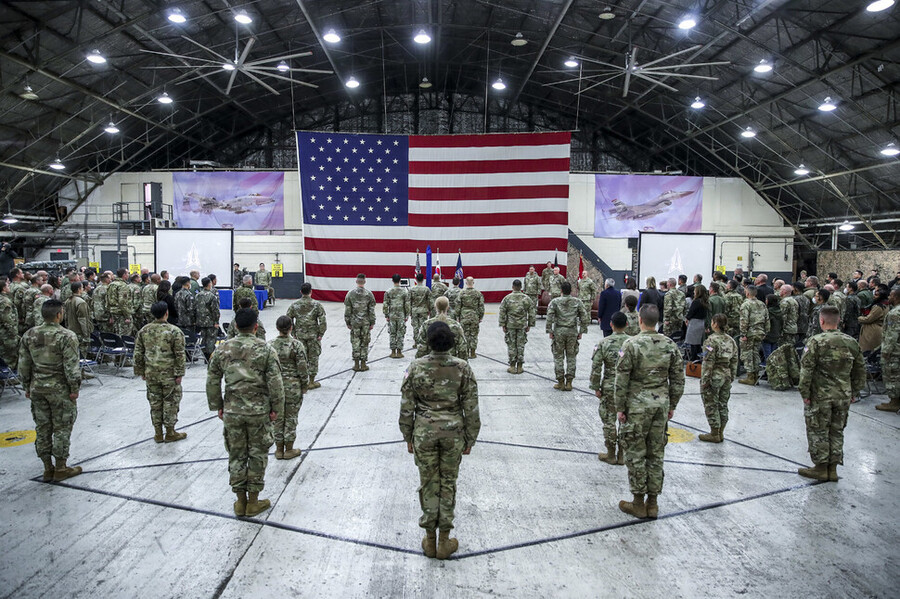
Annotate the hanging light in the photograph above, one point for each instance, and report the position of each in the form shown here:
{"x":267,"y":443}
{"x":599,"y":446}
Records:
{"x":283,"y":67}
{"x":519,"y":40}
{"x":425,"y":83}
{"x":9,"y":219}
{"x":227,"y":66}
{"x":95,"y":57}
{"x":352,"y":82}
{"x":164,"y":98}
{"x":687,"y":22}
{"x":879,"y":5}
{"x":748,"y":133}
{"x":764,"y":66}
{"x":890,"y":150}
{"x":571,"y":62}
{"x":176,"y":16}
{"x":498,"y":84}
{"x":57,"y":164}
{"x":801,"y":171}
{"x":828,"y":105}
{"x":422,"y":37}
{"x":111,"y":128}
{"x":242,"y":17}
{"x":331,"y":37}
{"x":607,"y":14}
{"x":846,"y":226}
{"x":697,"y":104}
{"x":28,"y":93}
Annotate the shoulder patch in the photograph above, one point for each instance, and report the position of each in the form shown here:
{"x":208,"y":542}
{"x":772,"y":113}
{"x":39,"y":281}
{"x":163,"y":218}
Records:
{"x":621,"y":352}
{"x":805,"y":348}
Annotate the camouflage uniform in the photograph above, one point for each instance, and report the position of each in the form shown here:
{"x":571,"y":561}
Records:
{"x":733,"y":302}
{"x":99,"y":309}
{"x":78,"y":320}
{"x":460,"y":346}
{"x":649,"y":384}
{"x":471,"y":312}
{"x":754,"y":326}
{"x":120,"y":304}
{"x":783,"y":368}
{"x":242,"y":292}
{"x":137,"y":314}
{"x":148,"y":298}
{"x":65,"y":291}
{"x":439,"y":416}
{"x":359,"y":314}
{"x":587,"y":290}
{"x":452,"y":295}
{"x":814,"y":328}
{"x":396,"y":310}
{"x":9,"y":331}
{"x":159,"y":357}
{"x":309,"y":327}
{"x":517,"y":315}
{"x":253,"y":389}
{"x":790,"y":310}
{"x":634,"y":324}
{"x":50,"y":372}
{"x":720,"y":365}
{"x":262,"y":278}
{"x":545,"y":277}
{"x":716,"y":306}
{"x":890,"y":354}
{"x":603,"y":379}
{"x":555,"y":286}
{"x":673,"y":312}
{"x":17,"y":293}
{"x":850,"y":317}
{"x":295,"y":379}
{"x":532,"y":287}
{"x":237,"y":279}
{"x":421,"y":305}
{"x":186,"y":305}
{"x":233,"y":332}
{"x":566,"y":320}
{"x":207,"y":311}
{"x":831,"y":373}
{"x":29,"y":296}
{"x":802,"y":316}
{"x":36,"y":316}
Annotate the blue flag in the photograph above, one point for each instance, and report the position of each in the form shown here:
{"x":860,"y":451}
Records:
{"x":459,"y":269}
{"x":428,"y":266}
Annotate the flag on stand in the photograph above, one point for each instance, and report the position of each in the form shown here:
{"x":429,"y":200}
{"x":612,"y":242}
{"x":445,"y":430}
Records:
{"x":580,"y":265}
{"x":371,"y":200}
{"x":418,"y":267}
{"x":428,"y":273}
{"x":437,"y":264}
{"x":459,"y":268}
{"x":555,"y":258}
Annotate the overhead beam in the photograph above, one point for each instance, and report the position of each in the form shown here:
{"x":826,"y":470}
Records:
{"x":851,"y":171}
{"x":38,"y":171}
{"x":301,"y":4}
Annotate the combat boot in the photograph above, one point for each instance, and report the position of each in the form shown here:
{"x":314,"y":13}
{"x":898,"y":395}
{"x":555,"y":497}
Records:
{"x":512,"y":368}
{"x":157,"y":433}
{"x":722,"y":431}
{"x":620,"y":455}
{"x":429,"y":543}
{"x":610,"y":456}
{"x":635,"y":507}
{"x":892,"y":406}
{"x":240,"y":506}
{"x":471,"y":353}
{"x":652,"y":507}
{"x":62,"y":472}
{"x":313,"y":383}
{"x":446,"y":546}
{"x":399,"y":353}
{"x":832,"y":473}
{"x":560,"y":384}
{"x":817,"y":472}
{"x":172,"y":435}
{"x":713,"y":436}
{"x":289,"y":452}
{"x":362,"y":366}
{"x":255,"y":505}
{"x":355,"y":364}
{"x":519,"y":369}
{"x":751,"y":379}
{"x":279,"y":451}
{"x":393,"y":353}
{"x":568,"y":383}
{"x":48,"y":469}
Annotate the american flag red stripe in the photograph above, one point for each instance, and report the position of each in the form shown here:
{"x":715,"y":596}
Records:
{"x":500,"y":199}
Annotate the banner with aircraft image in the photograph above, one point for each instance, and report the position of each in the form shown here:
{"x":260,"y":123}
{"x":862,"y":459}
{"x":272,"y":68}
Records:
{"x":625,"y":205}
{"x":251,"y":201}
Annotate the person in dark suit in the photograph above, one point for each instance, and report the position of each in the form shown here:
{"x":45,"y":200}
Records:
{"x":610,"y":303}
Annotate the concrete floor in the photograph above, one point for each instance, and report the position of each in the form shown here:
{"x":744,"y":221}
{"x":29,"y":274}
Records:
{"x":537,"y":512}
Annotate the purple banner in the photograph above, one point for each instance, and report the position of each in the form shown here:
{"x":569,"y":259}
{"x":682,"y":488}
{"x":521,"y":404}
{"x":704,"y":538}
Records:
{"x":624,"y":205}
{"x":229,"y":200}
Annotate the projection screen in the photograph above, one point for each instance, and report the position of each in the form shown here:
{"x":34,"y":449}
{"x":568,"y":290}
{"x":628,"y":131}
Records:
{"x":209,"y":251}
{"x":664,"y":255}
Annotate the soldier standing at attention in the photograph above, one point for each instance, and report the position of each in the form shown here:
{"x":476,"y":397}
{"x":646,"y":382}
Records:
{"x":733,"y":301}
{"x":9,"y":327}
{"x":148,"y":297}
{"x":98,"y":303}
{"x":137,"y":320}
{"x":207,"y":317}
{"x":194,"y":278}
{"x":471,"y":313}
{"x":420,"y":301}
{"x":556,"y":280}
{"x":254,"y":396}
{"x":396,"y":311}
{"x":673,"y":310}
{"x":309,"y":327}
{"x":754,"y":326}
{"x":890,"y":354}
{"x":237,"y":276}
{"x":720,"y":364}
{"x":186,"y":304}
{"x":566,"y":322}
{"x":439,"y":421}
{"x":453,"y":296}
{"x":245,"y":290}
{"x":649,"y":384}
{"x":517,"y":316}
{"x":159,"y":360}
{"x":634,"y":326}
{"x":532,"y":285}
{"x":852,"y":311}
{"x":545,"y":276}
{"x":603,"y":382}
{"x":359,"y":316}
{"x":460,"y":347}
{"x":437,"y":287}
{"x":78,"y":316}
{"x":28,"y":298}
{"x":832,"y":372}
{"x":716,"y":302}
{"x":17,"y":287}
{"x":51,"y":377}
{"x":120,"y":304}
{"x":264,"y":280}
{"x":45,"y":294}
{"x":587,"y":291}
{"x":294,"y":377}
{"x":247,"y":303}
{"x":820,"y":300}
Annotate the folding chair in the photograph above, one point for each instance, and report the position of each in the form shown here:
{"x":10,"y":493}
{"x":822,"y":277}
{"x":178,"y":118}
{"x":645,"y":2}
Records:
{"x":89,"y":366}
{"x":128,"y":342}
{"x":192,"y":347}
{"x":9,"y":378}
{"x":873,"y":373}
{"x":223,"y":332}
{"x":115,"y":347}
{"x":95,"y":347}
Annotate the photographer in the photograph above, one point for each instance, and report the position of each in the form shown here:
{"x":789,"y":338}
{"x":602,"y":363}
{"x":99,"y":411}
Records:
{"x":7,"y":258}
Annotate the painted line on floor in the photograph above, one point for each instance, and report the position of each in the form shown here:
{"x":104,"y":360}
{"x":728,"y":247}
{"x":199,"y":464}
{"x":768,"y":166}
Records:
{"x":873,"y":419}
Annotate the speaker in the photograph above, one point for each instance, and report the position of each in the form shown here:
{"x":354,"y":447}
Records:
{"x":632,"y":243}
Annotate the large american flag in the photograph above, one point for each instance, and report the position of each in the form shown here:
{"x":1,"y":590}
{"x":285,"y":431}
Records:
{"x":370,"y":201}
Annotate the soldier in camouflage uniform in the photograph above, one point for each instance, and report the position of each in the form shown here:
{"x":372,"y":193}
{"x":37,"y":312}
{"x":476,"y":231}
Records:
{"x":587,"y":291}
{"x":460,"y":346}
{"x":148,"y":297}
{"x":254,"y":396}
{"x":453,"y":296}
{"x":9,"y":327}
{"x":51,"y":377}
{"x":248,"y":304}
{"x":120,"y":304}
{"x":439,"y":421}
{"x":245,"y":290}
{"x":674,"y":310}
{"x":603,"y":382}
{"x":720,"y":364}
{"x":137,"y":320}
{"x":471,"y":313}
{"x":186,"y":306}
{"x":649,"y":384}
{"x":733,"y":301}
{"x":716,"y":303}
{"x":208,"y":314}
{"x":17,"y":287}
{"x":65,"y":290}
{"x":852,"y":311}
{"x":359,"y":316}
{"x":420,"y":303}
{"x":566,"y":323}
{"x":438,"y":288}
{"x":555,"y":282}
{"x":78,"y":316}
{"x":545,"y":276}
{"x":159,"y":359}
{"x":820,"y":300}
{"x":754,"y":326}
{"x":832,"y":372}
{"x":295,"y":378}
{"x":533,"y":285}
{"x":517,"y":316}
{"x":803,"y":308}
{"x":237,"y":277}
{"x":396,"y":311}
{"x":890,"y":354}
{"x":28,"y":297}
{"x":633,"y":327}
{"x":309,"y":327}
{"x":99,"y":310}
{"x":264,"y":279}
{"x":45,"y":294}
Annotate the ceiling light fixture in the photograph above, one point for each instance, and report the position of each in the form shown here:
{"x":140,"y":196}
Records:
{"x":57,"y":165}
{"x":519,"y":40}
{"x":228,"y":66}
{"x":421,"y":37}
{"x":748,"y":133}
{"x":764,"y":66}
{"x":498,"y":84}
{"x":111,"y":128}
{"x":95,"y":57}
{"x":828,"y":105}
{"x":571,"y":62}
{"x":283,"y":67}
{"x":879,"y":5}
{"x":352,"y":83}
{"x":697,"y":104}
{"x":425,"y":83}
{"x":242,"y":17}
{"x":890,"y":150}
{"x":28,"y":93}
{"x":801,"y":170}
{"x":9,"y":219}
{"x":176,"y":16}
{"x":607,"y":14}
{"x":687,"y":23}
{"x":164,"y":98}
{"x":331,"y":37}
{"x":846,"y":226}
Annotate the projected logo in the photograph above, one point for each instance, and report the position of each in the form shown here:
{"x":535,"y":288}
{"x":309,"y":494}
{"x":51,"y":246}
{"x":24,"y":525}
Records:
{"x":625,"y":205}
{"x":240,"y":201}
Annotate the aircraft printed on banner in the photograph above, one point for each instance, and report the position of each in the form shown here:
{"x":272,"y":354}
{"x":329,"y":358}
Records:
{"x":194,"y":202}
{"x":623,"y":211}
